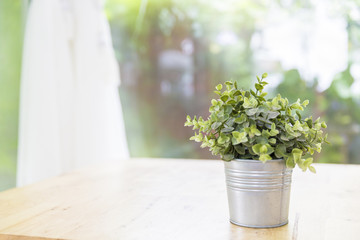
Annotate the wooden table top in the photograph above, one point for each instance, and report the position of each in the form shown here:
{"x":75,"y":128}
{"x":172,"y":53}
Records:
{"x":173,"y":199}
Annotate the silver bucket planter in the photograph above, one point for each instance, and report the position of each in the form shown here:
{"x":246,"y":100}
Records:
{"x":258,"y":193}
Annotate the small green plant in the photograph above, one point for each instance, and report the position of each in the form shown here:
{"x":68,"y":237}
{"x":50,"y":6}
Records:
{"x":245,"y":125}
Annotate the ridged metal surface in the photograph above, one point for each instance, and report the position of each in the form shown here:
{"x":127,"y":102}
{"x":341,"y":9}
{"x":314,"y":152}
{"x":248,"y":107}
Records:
{"x":258,"y":193}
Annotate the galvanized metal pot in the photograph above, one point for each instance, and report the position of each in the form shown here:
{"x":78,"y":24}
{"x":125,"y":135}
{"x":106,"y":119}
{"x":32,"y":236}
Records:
{"x":258,"y":193}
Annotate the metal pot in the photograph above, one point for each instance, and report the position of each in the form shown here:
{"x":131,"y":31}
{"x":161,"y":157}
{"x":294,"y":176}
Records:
{"x":258,"y":193}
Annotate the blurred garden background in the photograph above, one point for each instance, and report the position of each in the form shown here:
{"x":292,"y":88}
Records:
{"x":172,"y":53}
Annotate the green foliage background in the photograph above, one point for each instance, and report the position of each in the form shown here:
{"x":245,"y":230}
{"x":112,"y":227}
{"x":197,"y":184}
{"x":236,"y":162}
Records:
{"x":10,"y":63}
{"x":142,"y":30}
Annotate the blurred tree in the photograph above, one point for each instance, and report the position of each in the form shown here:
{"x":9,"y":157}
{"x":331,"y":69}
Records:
{"x":172,"y":53}
{"x":178,"y":52}
{"x":343,"y":115}
{"x":10,"y":63}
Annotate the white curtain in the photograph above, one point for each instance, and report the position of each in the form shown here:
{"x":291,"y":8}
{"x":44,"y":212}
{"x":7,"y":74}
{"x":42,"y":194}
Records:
{"x":70,"y":112}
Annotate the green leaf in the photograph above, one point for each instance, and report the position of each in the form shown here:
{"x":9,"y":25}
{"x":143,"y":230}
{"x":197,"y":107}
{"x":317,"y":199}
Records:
{"x":264,"y":157}
{"x":290,"y":162}
{"x":196,"y":124}
{"x":272,"y":140}
{"x":223,"y":139}
{"x":297,"y":105}
{"x":230,"y":122}
{"x":215,"y":125}
{"x":265,"y":133}
{"x":238,"y":137}
{"x":227,"y":130}
{"x":317,"y":120}
{"x":212,"y":143}
{"x":256,"y":148}
{"x":250,"y":149}
{"x":262,"y":140}
{"x":309,"y":122}
{"x":301,"y":165}
{"x":197,"y":137}
{"x":259,"y":87}
{"x":253,"y":93}
{"x":237,"y":93}
{"x":296,"y":154}
{"x":270,"y":149}
{"x":288,"y":111}
{"x":305,"y":103}
{"x":284,"y":137}
{"x":241,"y":119}
{"x":263,"y":109}
{"x":228,"y":109}
{"x":250,"y":102}
{"x":231,"y":102}
{"x":219,"y":87}
{"x":263,"y":149}
{"x":228,"y":157}
{"x":317,"y":126}
{"x":275,"y":104}
{"x":312,"y":169}
{"x":253,"y":131}
{"x":205,"y":142}
{"x":236,"y":134}
{"x":325,"y":139}
{"x":240,"y":149}
{"x":188,"y":121}
{"x":224,"y":98}
{"x":289,"y":143}
{"x":280,"y":151}
{"x":264,"y":75}
{"x":273,"y":114}
{"x":273,"y":131}
{"x":251,"y":111}
{"x":188,"y":124}
{"x":308,"y":162}
{"x":291,"y":132}
{"x":297,"y":126}
{"x":261,"y":99}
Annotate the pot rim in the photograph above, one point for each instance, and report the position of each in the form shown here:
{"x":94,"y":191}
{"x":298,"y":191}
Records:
{"x":255,"y":160}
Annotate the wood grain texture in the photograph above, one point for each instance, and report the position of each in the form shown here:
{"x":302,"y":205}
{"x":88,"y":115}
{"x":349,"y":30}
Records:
{"x":173,"y":199}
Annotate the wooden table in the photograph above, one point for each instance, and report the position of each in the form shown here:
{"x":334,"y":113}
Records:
{"x":173,"y":199}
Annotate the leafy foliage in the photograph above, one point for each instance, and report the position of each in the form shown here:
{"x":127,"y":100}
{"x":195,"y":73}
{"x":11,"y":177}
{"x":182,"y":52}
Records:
{"x":243,"y":124}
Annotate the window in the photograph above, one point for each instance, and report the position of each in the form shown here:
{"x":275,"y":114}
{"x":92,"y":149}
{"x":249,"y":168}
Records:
{"x":172,"y":53}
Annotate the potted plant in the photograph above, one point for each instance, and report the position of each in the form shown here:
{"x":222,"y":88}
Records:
{"x":261,"y":141}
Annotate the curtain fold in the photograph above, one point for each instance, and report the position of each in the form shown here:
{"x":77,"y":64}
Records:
{"x":70,"y":111}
